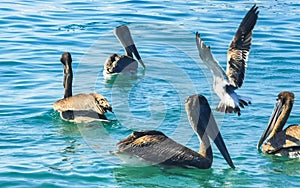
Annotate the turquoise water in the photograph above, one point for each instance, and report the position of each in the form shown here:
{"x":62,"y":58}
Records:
{"x":38,"y":149}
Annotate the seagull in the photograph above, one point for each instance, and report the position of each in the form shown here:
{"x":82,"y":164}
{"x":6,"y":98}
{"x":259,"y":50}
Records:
{"x":225,"y":84}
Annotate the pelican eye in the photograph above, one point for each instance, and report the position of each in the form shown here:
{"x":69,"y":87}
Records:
{"x":102,"y":100}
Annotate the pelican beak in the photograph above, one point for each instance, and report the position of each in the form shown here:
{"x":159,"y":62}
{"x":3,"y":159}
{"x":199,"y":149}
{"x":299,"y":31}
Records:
{"x":110,"y":109}
{"x":213,"y":132}
{"x":274,"y":117}
{"x":123,"y":34}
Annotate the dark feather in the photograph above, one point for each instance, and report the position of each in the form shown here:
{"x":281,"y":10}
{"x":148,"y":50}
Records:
{"x":239,"y":48}
{"x":116,"y":64}
{"x":156,"y":147}
{"x":71,"y":115}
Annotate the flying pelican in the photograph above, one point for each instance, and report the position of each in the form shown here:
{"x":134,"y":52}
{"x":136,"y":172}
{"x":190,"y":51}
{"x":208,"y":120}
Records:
{"x":281,"y":142}
{"x":80,"y":107}
{"x":237,"y":56}
{"x":124,"y":63}
{"x":153,"y":147}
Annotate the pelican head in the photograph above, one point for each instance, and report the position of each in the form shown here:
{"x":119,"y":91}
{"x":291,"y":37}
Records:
{"x":203,"y":123}
{"x":281,"y":113}
{"x":66,"y":59}
{"x":123,"y":34}
{"x":102,"y":103}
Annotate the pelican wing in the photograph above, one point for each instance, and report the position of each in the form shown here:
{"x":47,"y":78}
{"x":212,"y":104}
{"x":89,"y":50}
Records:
{"x":238,"y":51}
{"x":83,"y":102}
{"x":292,"y":136}
{"x":291,"y":147}
{"x":284,"y":140}
{"x":116,"y":64}
{"x":156,"y":148}
{"x":209,"y":60}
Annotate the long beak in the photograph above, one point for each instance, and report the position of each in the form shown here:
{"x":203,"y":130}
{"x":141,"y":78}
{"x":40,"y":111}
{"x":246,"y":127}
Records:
{"x":274,"y":117}
{"x":213,"y":132}
{"x":123,"y":34}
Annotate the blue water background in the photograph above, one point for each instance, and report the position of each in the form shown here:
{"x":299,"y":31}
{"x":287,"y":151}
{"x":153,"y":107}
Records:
{"x":38,"y":149}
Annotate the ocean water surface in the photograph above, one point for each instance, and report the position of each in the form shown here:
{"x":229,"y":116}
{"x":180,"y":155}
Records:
{"x":38,"y":149}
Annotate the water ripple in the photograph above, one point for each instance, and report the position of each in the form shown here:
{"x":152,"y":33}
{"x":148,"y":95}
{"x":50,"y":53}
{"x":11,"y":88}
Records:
{"x":40,"y":150}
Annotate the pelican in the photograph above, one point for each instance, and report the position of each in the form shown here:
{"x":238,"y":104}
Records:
{"x":124,"y":63}
{"x":155,"y":148}
{"x":80,"y":107}
{"x":225,"y":84}
{"x":281,"y":142}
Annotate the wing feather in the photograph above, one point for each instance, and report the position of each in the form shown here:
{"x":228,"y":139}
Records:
{"x":209,"y":60}
{"x":157,"y":148}
{"x":83,"y":102}
{"x":238,"y":51}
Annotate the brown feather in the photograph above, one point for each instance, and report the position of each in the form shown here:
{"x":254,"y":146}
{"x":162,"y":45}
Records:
{"x":89,"y":102}
{"x":282,"y":142}
{"x":238,"y":51}
{"x":288,"y":138}
{"x":153,"y":147}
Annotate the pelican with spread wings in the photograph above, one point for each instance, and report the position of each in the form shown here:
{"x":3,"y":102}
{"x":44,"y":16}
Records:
{"x":225,"y":84}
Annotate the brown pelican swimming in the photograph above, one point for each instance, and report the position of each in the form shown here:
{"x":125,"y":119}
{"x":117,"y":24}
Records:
{"x":80,"y":107}
{"x":124,"y":63}
{"x":237,"y":56}
{"x":153,"y":147}
{"x":281,"y":142}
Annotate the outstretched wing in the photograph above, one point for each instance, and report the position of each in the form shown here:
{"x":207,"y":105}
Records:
{"x":209,"y":60}
{"x":238,"y":51}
